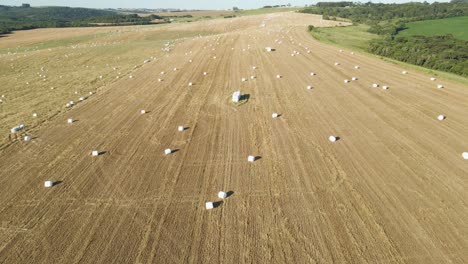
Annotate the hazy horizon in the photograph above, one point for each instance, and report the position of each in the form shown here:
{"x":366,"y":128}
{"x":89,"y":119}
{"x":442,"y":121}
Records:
{"x":180,"y":4}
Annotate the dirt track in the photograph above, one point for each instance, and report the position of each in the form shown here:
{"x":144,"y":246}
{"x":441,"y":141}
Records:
{"x":391,"y":190}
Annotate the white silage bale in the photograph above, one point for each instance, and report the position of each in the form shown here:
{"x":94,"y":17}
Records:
{"x":465,"y":155}
{"x":222,"y":195}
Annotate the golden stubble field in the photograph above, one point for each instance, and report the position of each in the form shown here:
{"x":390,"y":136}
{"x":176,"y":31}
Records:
{"x":392,"y":189}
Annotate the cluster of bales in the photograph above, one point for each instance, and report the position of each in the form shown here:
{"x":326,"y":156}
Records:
{"x":236,"y":97}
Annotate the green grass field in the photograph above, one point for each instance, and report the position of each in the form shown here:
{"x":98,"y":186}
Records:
{"x":355,"y":37}
{"x":457,"y":26}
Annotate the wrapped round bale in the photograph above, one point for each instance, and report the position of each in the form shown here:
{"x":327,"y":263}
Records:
{"x":465,"y":155}
{"x":222,"y":195}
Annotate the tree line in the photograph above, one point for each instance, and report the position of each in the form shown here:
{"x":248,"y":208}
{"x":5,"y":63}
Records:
{"x":25,"y":17}
{"x":444,"y":53}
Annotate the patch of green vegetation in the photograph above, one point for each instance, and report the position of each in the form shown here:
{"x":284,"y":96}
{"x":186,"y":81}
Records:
{"x":431,"y":45}
{"x":457,"y":26}
{"x":350,"y":37}
{"x":354,"y":37}
{"x":56,"y":43}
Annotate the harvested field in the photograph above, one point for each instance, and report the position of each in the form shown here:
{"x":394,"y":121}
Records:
{"x":390,"y":189}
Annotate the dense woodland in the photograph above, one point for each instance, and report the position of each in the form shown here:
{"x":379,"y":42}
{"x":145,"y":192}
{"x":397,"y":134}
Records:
{"x":444,"y":53}
{"x":25,"y":17}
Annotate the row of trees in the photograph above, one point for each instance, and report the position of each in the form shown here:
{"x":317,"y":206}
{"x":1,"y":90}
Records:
{"x":363,"y":13}
{"x":21,"y":18}
{"x":444,"y":53}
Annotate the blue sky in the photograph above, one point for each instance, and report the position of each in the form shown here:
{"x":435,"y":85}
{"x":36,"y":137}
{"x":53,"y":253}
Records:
{"x":183,"y":4}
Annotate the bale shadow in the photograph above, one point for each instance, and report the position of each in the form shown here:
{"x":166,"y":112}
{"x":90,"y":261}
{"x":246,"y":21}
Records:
{"x":217,"y":204}
{"x":174,"y":151}
{"x":100,"y":153}
{"x":229,"y":194}
{"x":55,"y":183}
{"x":245,"y":97}
{"x":257,"y":158}
{"x":242,"y":100}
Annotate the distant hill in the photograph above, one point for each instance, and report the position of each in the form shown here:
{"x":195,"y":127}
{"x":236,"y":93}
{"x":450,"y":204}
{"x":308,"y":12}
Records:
{"x":25,"y":17}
